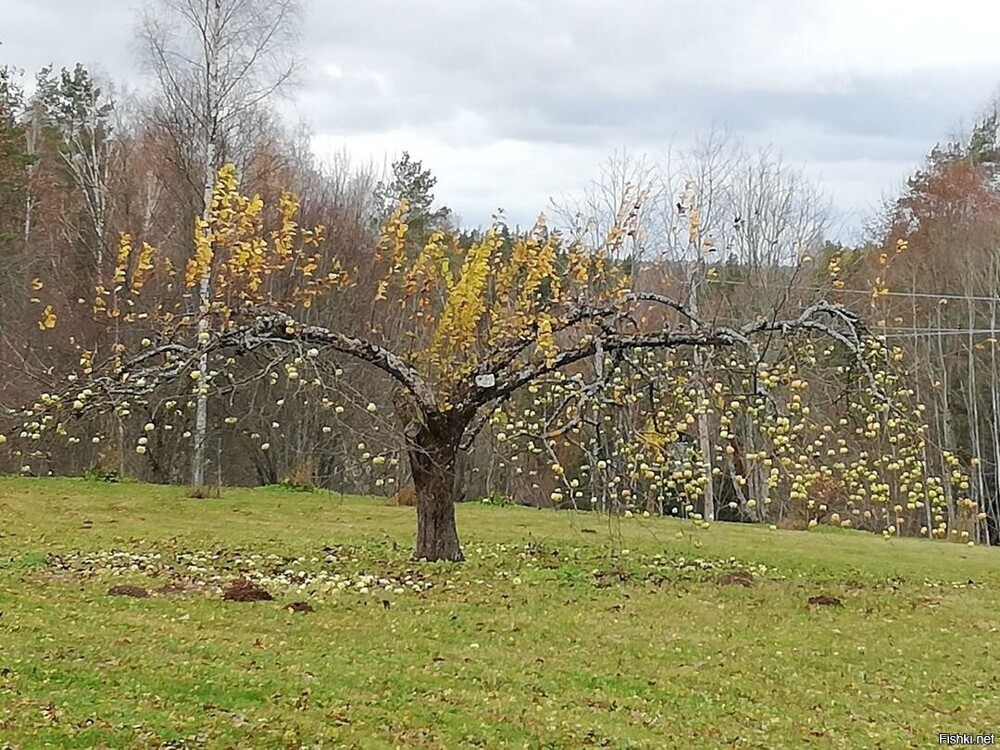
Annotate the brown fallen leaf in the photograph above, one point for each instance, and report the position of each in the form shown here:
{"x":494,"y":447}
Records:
{"x":824,"y":601}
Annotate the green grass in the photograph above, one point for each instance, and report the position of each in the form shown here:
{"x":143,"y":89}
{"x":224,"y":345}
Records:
{"x":561,"y":631}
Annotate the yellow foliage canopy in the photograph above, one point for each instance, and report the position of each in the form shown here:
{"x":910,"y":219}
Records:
{"x":491,"y":293}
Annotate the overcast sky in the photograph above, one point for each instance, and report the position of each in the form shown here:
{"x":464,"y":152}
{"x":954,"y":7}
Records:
{"x":512,"y":102}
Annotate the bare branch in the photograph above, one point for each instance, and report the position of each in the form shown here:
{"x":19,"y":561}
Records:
{"x":278,"y":329}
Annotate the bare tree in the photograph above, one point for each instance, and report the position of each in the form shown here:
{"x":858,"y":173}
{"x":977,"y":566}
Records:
{"x":216,"y":61}
{"x":726,"y":230}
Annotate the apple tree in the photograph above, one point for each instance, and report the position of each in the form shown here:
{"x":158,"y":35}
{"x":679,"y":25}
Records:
{"x":459,"y":324}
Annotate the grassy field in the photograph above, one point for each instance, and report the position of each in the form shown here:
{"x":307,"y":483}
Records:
{"x":562,"y":630}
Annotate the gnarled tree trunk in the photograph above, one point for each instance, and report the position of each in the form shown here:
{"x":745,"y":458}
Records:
{"x":433,"y":451}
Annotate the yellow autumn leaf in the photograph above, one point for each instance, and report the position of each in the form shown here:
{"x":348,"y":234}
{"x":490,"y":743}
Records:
{"x":48,"y":321}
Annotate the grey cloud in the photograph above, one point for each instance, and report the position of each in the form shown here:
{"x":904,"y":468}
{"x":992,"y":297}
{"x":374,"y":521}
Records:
{"x":36,"y":33}
{"x":594,"y":75}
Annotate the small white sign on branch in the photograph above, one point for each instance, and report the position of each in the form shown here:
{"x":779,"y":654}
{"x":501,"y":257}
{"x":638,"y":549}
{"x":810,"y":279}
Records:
{"x":486,"y":381}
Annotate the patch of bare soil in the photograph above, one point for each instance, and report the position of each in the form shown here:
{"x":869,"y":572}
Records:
{"x":242,"y":590}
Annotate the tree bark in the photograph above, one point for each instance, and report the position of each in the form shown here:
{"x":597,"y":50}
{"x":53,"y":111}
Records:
{"x":461,"y":488}
{"x":204,"y":294}
{"x":433,"y":451}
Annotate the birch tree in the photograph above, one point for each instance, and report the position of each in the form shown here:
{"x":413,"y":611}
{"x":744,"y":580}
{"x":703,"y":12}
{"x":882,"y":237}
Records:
{"x":216,"y":62}
{"x":79,"y":113}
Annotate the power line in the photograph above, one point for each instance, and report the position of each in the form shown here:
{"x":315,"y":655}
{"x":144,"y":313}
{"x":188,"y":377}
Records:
{"x":868,"y":292}
{"x":918,"y":332}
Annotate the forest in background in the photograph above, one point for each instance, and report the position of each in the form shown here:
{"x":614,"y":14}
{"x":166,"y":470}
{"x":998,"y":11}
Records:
{"x":737,"y":232}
